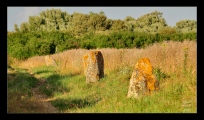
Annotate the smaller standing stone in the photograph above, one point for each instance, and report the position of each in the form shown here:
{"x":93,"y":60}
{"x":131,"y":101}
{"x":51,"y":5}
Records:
{"x":93,"y":66}
{"x":49,"y":61}
{"x":142,"y":80}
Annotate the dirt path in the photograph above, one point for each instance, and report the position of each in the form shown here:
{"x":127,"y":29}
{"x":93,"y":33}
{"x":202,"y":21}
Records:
{"x":21,"y":103}
{"x":42,"y":98}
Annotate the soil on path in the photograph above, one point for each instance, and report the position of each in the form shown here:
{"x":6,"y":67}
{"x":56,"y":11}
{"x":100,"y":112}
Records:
{"x":42,"y":98}
{"x":37,"y":103}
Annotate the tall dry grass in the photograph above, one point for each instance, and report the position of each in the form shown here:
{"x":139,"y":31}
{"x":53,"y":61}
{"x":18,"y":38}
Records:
{"x":168,"y":56}
{"x":172,"y":58}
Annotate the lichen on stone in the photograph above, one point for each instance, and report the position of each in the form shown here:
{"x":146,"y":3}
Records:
{"x":93,"y":66}
{"x":143,"y":78}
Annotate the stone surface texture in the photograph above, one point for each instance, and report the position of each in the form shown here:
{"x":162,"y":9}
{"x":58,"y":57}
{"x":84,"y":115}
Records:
{"x":142,"y":80}
{"x":93,"y":66}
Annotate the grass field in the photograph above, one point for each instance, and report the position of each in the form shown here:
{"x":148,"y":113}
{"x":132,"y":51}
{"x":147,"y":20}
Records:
{"x":174,"y":63}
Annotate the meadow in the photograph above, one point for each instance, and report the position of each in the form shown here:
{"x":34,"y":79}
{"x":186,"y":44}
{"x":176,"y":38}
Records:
{"x":174,"y":64}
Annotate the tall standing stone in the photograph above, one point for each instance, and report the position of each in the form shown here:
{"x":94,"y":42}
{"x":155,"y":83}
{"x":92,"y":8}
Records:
{"x":142,"y":80}
{"x":93,"y":66}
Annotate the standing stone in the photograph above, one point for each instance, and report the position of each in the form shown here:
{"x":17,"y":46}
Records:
{"x":93,"y":66}
{"x":49,"y":61}
{"x":142,"y":80}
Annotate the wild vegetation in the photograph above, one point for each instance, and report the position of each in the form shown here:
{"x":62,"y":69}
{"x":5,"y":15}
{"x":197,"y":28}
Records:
{"x":174,"y":65}
{"x":34,"y":87}
{"x":54,"y":31}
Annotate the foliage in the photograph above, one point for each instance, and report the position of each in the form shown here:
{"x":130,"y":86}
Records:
{"x":186,"y":26}
{"x":24,"y":45}
{"x":150,"y":23}
{"x":176,"y":72}
{"x":21,"y":82}
{"x":56,"y":31}
{"x":159,"y":74}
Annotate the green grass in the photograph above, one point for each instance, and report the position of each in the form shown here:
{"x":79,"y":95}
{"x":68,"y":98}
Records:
{"x":72,"y":94}
{"x":69,"y":92}
{"x":19,"y":91}
{"x":22,"y":82}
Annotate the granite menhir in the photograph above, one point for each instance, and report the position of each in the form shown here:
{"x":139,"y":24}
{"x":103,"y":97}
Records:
{"x":93,"y":66}
{"x":142,"y":80}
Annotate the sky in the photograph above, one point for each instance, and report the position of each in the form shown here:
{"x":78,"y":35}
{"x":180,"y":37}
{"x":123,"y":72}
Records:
{"x":172,"y":15}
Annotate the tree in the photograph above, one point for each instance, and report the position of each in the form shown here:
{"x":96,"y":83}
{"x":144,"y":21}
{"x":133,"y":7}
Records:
{"x":97,"y":22}
{"x":184,"y":26}
{"x":118,"y":25}
{"x":52,"y":19}
{"x":35,"y":23}
{"x":78,"y":25}
{"x":101,"y":13}
{"x":16,"y":29}
{"x":49,"y":20}
{"x":130,"y":23}
{"x":167,"y":30}
{"x":150,"y":22}
{"x":24,"y":27}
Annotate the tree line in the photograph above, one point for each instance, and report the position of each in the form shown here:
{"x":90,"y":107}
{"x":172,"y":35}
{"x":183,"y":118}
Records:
{"x":55,"y":31}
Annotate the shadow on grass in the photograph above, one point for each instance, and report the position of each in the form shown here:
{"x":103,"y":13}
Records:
{"x":43,"y":71}
{"x":20,"y":81}
{"x":55,"y":84}
{"x":10,"y":76}
{"x":19,"y":92}
{"x":69,"y":103}
{"x":9,"y":67}
{"x":19,"y":89}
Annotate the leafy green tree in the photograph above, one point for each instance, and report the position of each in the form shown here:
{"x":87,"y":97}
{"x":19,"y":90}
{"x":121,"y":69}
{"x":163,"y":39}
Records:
{"x":167,"y":30}
{"x":101,"y":13}
{"x":16,"y":28}
{"x":150,"y":23}
{"x":185,"y":26}
{"x":78,"y":23}
{"x":24,"y":27}
{"x":97,"y":22}
{"x":49,"y":20}
{"x":53,"y":29}
{"x":130,"y":23}
{"x":117,"y":25}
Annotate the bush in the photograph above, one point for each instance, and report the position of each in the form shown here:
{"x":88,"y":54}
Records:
{"x":24,"y":45}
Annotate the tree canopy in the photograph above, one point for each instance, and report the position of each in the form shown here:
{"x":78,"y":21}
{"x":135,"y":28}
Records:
{"x":55,"y":31}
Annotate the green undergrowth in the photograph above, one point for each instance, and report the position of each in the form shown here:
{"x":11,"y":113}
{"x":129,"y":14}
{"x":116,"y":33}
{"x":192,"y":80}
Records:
{"x":70,"y":93}
{"x":19,"y":91}
{"x":21,"y":82}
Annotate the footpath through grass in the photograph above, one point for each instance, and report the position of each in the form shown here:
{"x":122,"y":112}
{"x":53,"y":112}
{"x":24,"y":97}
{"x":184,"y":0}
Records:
{"x":174,"y":65}
{"x":70,"y":93}
{"x":23,"y":95}
{"x":19,"y":91}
